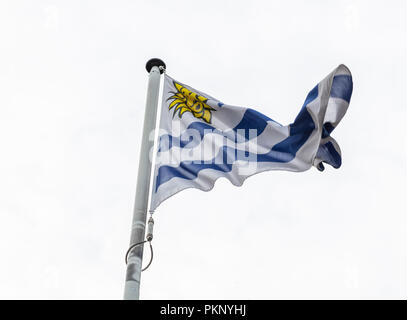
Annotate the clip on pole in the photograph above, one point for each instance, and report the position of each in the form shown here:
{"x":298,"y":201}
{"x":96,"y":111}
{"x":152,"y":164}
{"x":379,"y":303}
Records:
{"x":149,"y":238}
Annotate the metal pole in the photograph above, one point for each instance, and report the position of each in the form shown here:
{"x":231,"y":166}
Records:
{"x":132,"y":286}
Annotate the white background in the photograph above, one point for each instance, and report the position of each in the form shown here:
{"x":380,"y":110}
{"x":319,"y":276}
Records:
{"x":72,"y":94}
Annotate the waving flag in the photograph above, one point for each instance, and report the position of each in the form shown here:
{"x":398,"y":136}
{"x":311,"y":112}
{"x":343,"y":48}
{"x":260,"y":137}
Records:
{"x":202,"y":139}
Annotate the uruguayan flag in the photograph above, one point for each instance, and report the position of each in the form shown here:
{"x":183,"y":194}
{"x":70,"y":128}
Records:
{"x":202,"y":139}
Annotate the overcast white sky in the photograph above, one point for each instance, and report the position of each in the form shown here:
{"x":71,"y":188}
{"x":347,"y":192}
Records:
{"x":72,"y":95}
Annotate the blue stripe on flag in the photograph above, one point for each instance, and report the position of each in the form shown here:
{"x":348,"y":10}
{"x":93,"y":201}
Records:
{"x":328,"y":154}
{"x":300,"y":131}
{"x":312,"y":95}
{"x":342,"y":87}
{"x":189,"y":170}
{"x":167,"y":141}
{"x":251,"y":119}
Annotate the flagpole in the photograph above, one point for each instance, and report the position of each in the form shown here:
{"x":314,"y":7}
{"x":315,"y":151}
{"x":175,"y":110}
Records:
{"x":135,"y":258}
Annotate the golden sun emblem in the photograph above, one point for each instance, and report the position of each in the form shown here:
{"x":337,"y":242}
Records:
{"x":185,"y":100}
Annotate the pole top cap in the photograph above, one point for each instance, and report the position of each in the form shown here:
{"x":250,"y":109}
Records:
{"x":155,"y":62}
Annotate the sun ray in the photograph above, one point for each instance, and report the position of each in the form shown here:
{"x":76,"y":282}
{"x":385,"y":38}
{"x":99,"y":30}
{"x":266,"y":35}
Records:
{"x":185,"y":100}
{"x":175,"y":102}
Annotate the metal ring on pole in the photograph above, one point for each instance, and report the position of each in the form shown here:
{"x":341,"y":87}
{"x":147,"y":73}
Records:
{"x":138,"y":244}
{"x":151,"y":257}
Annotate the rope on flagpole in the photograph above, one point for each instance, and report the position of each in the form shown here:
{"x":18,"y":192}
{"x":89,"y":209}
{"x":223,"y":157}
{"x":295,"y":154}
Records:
{"x":149,"y":238}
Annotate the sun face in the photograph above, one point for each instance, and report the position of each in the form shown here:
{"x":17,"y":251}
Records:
{"x":185,"y":100}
